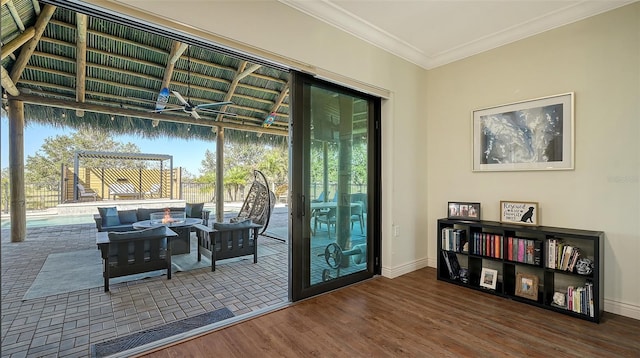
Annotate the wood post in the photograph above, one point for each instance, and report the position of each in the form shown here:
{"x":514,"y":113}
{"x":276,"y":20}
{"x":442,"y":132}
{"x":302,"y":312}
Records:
{"x":220,"y":175}
{"x":16,"y":170}
{"x":345,"y":157}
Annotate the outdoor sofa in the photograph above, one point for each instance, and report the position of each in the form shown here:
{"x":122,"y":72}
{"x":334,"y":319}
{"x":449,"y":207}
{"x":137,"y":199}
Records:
{"x":112,"y":219}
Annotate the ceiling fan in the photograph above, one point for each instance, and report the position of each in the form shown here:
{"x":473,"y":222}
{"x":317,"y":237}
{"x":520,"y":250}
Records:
{"x":185,"y":105}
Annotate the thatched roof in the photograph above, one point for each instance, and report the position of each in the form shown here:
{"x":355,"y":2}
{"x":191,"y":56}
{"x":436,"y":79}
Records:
{"x":124,"y":70}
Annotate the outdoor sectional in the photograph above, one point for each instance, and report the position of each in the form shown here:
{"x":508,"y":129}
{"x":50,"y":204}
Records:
{"x":112,"y":219}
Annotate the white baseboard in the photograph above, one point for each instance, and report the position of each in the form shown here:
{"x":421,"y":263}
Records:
{"x":623,"y":309}
{"x":393,"y":272}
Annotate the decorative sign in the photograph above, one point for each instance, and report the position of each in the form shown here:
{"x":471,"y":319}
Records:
{"x":519,"y":212}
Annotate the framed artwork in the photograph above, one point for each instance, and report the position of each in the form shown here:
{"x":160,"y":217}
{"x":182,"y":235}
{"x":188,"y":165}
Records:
{"x":527,"y":286}
{"x":463,"y":210}
{"x":519,"y":212}
{"x":488,"y":278}
{"x":536,"y":134}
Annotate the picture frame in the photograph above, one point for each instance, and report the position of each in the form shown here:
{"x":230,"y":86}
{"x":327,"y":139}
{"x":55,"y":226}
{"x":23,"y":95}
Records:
{"x":463,"y":210}
{"x":527,"y":286}
{"x":489,"y":278}
{"x":536,"y":134}
{"x":519,"y":212}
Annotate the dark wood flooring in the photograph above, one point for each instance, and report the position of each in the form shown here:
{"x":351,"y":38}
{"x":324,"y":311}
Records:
{"x":415,"y":316}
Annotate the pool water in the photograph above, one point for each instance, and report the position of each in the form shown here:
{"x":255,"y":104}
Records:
{"x":53,"y":220}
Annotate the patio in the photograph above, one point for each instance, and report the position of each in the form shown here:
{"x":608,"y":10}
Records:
{"x":68,"y":324}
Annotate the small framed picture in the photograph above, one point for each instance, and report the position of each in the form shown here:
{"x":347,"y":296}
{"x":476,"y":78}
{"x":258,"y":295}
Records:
{"x":463,"y":210}
{"x":527,"y":286}
{"x":519,"y":212}
{"x":488,"y":278}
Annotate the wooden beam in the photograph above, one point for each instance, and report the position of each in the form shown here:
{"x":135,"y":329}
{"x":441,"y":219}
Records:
{"x":4,"y":2}
{"x":253,"y":68}
{"x":16,"y":171}
{"x":15,"y":44}
{"x":36,"y":6}
{"x":116,"y":111}
{"x":29,"y":47}
{"x":176,"y":51}
{"x":7,"y":84}
{"x":81,"y":59}
{"x":220,"y":175}
{"x":14,"y":14}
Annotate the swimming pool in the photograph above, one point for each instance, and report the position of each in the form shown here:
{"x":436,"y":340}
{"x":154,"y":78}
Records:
{"x":52,"y":220}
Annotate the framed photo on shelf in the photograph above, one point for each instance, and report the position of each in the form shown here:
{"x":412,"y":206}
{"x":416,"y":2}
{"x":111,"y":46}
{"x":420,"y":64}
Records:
{"x":519,"y":212}
{"x":536,"y":134}
{"x":527,"y":286}
{"x":489,"y":278}
{"x":463,"y":210}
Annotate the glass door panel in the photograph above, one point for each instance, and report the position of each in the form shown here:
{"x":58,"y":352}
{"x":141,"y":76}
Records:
{"x":333,"y":156}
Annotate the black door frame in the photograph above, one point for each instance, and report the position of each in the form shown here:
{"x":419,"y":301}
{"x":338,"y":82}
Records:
{"x":299,"y":137}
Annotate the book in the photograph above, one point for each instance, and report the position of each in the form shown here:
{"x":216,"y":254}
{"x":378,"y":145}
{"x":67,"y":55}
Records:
{"x":446,"y":261}
{"x":510,"y":248}
{"x":537,"y":252}
{"x":455,"y":265}
{"x":521,"y":251}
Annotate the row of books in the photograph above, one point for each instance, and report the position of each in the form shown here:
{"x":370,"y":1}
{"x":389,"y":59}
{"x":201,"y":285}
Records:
{"x":524,"y":250}
{"x":454,"y":240}
{"x":561,"y":256}
{"x":580,"y":299}
{"x":487,"y":245}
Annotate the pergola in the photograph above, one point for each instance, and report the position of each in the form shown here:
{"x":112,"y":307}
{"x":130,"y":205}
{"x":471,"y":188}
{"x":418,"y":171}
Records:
{"x":86,"y":154}
{"x":67,"y":68}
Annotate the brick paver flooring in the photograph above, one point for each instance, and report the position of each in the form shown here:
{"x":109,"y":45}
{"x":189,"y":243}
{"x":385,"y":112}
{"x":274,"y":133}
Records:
{"x":66,"y":325}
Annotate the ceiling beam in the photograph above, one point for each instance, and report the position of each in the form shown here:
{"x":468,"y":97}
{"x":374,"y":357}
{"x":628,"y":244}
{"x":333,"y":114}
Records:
{"x":36,"y":6}
{"x":243,"y":71}
{"x":20,"y":40}
{"x":14,"y":14}
{"x":30,"y":46}
{"x":177,"y":49}
{"x":7,"y":84}
{"x":116,"y":111}
{"x":81,"y":59}
{"x":4,"y":2}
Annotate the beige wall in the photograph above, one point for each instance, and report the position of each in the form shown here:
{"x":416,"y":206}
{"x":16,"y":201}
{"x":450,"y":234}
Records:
{"x":599,"y":60}
{"x":426,"y":123}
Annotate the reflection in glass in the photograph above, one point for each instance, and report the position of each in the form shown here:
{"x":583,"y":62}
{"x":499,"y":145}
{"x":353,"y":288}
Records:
{"x":338,"y":184}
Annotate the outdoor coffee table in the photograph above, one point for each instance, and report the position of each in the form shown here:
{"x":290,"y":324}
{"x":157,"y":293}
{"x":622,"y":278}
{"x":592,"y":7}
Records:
{"x":182,"y":243}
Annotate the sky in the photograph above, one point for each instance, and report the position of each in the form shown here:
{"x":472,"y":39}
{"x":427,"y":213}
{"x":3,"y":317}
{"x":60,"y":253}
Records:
{"x":186,"y":153}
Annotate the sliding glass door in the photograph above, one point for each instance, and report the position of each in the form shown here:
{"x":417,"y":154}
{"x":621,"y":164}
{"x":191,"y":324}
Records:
{"x":335,"y":176}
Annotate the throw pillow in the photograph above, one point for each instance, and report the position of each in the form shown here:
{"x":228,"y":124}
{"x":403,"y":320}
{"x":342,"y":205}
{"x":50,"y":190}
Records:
{"x":232,"y":226}
{"x":109,"y":216}
{"x":127,"y":216}
{"x":194,"y":210}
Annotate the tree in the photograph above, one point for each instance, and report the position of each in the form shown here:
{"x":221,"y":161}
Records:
{"x":234,"y":178}
{"x":44,"y":166}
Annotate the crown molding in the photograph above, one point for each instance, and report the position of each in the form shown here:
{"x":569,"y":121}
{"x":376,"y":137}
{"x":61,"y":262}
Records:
{"x":335,"y":16}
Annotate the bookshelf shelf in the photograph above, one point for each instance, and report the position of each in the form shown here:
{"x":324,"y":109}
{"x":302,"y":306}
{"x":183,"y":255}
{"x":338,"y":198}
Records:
{"x":539,"y":265}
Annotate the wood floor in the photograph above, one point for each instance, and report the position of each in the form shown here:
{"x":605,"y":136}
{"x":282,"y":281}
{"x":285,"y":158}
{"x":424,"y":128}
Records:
{"x":415,"y":316}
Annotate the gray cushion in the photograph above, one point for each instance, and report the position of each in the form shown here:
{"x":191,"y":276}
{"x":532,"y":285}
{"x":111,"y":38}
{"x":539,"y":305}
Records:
{"x":127,"y":216}
{"x":145,"y":214}
{"x":125,"y":235}
{"x":109,"y":216}
{"x":232,"y":226}
{"x":194,"y":210}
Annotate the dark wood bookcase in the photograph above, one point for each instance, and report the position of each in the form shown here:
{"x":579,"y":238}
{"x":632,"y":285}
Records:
{"x":518,"y":252}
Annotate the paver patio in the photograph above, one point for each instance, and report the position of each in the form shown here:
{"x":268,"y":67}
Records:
{"x":66,"y":325}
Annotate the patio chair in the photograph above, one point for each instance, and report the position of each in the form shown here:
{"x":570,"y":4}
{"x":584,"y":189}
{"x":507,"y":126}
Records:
{"x":84,"y":193}
{"x":228,"y":240}
{"x":133,"y":252}
{"x":259,"y":203}
{"x":153,"y":190}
